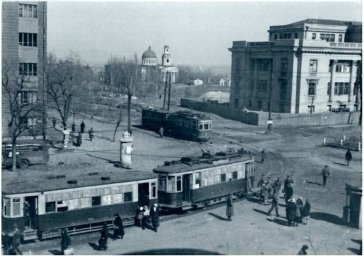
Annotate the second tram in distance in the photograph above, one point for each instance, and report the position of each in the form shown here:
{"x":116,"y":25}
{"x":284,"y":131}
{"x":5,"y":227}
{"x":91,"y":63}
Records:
{"x":181,"y":124}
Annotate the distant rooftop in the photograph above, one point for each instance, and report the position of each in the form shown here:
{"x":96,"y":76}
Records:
{"x":326,"y":22}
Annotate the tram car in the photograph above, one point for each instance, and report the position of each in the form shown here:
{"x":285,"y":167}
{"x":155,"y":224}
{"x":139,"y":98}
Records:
{"x":201,"y":181}
{"x":181,"y":124}
{"x":80,"y":200}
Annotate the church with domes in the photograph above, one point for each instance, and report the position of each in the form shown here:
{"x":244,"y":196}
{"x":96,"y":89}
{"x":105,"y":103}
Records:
{"x":151,"y":71}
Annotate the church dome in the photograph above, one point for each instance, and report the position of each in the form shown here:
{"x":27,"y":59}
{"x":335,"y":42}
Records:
{"x":149,"y":54}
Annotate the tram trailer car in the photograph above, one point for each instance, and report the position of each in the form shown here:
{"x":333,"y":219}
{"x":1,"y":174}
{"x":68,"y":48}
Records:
{"x":205,"y":180}
{"x":182,"y":124}
{"x":41,"y":207}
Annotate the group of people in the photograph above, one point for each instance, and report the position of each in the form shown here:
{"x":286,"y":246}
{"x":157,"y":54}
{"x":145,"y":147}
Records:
{"x":297,"y":212}
{"x":268,"y":188}
{"x":146,"y":215}
{"x":11,"y":242}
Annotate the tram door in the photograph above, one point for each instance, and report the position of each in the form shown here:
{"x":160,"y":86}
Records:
{"x":186,"y":196}
{"x":30,"y":209}
{"x":143,"y":193}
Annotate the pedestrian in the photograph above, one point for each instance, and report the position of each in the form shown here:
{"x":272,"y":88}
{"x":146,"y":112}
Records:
{"x":299,"y":206}
{"x":290,"y":211}
{"x":154,"y":213}
{"x":306,"y":212}
{"x":289,"y":192}
{"x":269,"y":188}
{"x":325,"y":173}
{"x":303,"y":250}
{"x":26,"y":209}
{"x":104,"y":236}
{"x":16,"y":240}
{"x":261,"y":181}
{"x":262,"y":156}
{"x":229,"y":207}
{"x":65,"y":241}
{"x":277,"y":185}
{"x":79,"y":139}
{"x":54,"y":122}
{"x":161,"y":131}
{"x":91,"y":133}
{"x":140,"y":216}
{"x":252,"y":179}
{"x":73,"y":126}
{"x":287,"y":182}
{"x":348,"y":157}
{"x":118,"y":227}
{"x":82,"y":127}
{"x":274,"y":204}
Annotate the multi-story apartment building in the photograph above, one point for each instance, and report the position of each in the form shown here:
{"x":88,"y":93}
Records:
{"x":305,"y":67}
{"x":24,"y":49}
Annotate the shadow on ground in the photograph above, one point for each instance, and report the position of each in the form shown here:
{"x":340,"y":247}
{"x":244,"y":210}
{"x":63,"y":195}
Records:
{"x":173,"y":251}
{"x":55,"y":252}
{"x":218,"y":216}
{"x":327,"y":217}
{"x":313,"y":182}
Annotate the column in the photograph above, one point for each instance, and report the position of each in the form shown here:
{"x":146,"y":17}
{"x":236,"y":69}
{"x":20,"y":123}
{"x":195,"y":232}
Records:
{"x":255,"y":81}
{"x":332,"y":77}
{"x":352,"y":81}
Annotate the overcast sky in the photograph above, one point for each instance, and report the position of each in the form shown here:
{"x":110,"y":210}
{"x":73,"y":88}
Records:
{"x":197,"y":33}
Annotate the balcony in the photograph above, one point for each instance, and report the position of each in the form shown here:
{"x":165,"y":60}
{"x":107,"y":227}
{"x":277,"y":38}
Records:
{"x":346,"y":45}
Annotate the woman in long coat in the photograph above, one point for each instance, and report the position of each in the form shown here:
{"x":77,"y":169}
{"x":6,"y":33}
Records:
{"x":229,"y":207}
{"x":65,"y":241}
{"x":291,"y":211}
{"x":154,"y":213}
{"x":118,"y":227}
{"x":104,"y":236}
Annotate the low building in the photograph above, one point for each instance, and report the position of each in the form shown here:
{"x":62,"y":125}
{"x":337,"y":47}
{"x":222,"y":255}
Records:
{"x":307,"y":66}
{"x":196,"y":82}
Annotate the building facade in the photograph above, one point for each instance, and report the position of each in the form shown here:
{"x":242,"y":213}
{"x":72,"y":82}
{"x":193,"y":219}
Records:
{"x":305,"y":67}
{"x":24,"y":49}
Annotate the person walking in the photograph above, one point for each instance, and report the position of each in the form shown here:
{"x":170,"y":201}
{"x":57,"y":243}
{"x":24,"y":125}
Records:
{"x":161,"y":131}
{"x":229,"y":207}
{"x":82,"y":127}
{"x":348,"y":157}
{"x":154,"y":213}
{"x":274,"y":204}
{"x":54,"y":122}
{"x":325,"y":173}
{"x":288,"y":181}
{"x":299,"y":206}
{"x":262,"y":156}
{"x":73,"y":127}
{"x":91,"y":133}
{"x":65,"y":241}
{"x":303,"y":250}
{"x":306,"y":209}
{"x":140,"y":216}
{"x":277,"y":185}
{"x":118,"y":227}
{"x":16,"y":240}
{"x":104,"y":236}
{"x":289,"y":192}
{"x":290,"y":211}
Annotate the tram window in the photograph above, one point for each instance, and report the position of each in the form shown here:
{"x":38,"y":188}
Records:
{"x":106,"y":200}
{"x":206,"y":126}
{"x":200,"y":127}
{"x":179,"y":183}
{"x":235,"y":175}
{"x":128,"y":196}
{"x":162,"y":183}
{"x":198,"y":180}
{"x":16,"y":207}
{"x":154,"y":190}
{"x":73,"y":204}
{"x":223,"y":177}
{"x":209,"y":126}
{"x":117,"y":198}
{"x":96,"y":200}
{"x":50,"y":206}
{"x":85,"y":202}
{"x":6,"y":206}
{"x":171,"y":184}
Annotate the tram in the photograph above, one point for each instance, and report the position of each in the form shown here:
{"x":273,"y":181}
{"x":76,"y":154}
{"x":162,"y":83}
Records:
{"x":205,"y":180}
{"x":181,"y":124}
{"x":79,"y":200}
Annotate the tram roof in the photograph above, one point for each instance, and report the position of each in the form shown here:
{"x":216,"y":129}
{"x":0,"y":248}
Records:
{"x":185,"y":114}
{"x":202,"y":162}
{"x":41,"y":179}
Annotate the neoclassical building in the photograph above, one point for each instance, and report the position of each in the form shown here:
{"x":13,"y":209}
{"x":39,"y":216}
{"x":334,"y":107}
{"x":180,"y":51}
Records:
{"x":151,"y":71}
{"x":307,"y":66}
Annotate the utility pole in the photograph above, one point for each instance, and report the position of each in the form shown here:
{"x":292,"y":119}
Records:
{"x":270,"y":121}
{"x":169,"y":89}
{"x":44,"y":112}
{"x":165,"y":91}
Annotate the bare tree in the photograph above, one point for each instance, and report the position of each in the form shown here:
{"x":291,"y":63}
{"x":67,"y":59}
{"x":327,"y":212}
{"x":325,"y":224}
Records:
{"x":123,"y":74}
{"x":21,"y":108}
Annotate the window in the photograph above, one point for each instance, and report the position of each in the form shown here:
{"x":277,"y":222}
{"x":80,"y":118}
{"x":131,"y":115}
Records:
{"x":328,"y":37}
{"x":295,"y":35}
{"x":283,"y":89}
{"x":285,"y":36}
{"x":311,"y":88}
{"x":171,"y":184}
{"x":51,"y":207}
{"x":275,"y":36}
{"x":96,"y":200}
{"x":179,"y":183}
{"x":313,"y":36}
{"x":260,"y":104}
{"x":197,"y":179}
{"x":28,"y":69}
{"x":62,"y":206}
{"x":73,"y":204}
{"x":313,"y":66}
{"x":263,"y":64}
{"x":28,"y":11}
{"x":236,"y":103}
{"x":340,"y":38}
{"x":27,"y":97}
{"x":117,"y":198}
{"x":200,"y":127}
{"x":343,"y":67}
{"x":85,"y":202}
{"x":223,"y":177}
{"x":206,"y":126}
{"x":154,"y":189}
{"x":341,"y":88}
{"x":128,"y":197}
{"x":6,"y":207}
{"x":162,"y":183}
{"x":28,"y":39}
{"x":235,"y":175}
{"x":262,"y":85}
{"x":284,"y":67}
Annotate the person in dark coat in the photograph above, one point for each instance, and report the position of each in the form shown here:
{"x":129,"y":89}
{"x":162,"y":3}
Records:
{"x":140,"y":217}
{"x":303,"y":250}
{"x":16,"y":240}
{"x":54,"y":122}
{"x":73,"y":127}
{"x":118,"y":227}
{"x":290,"y":211}
{"x":299,"y":206}
{"x":82,"y":127}
{"x":154,"y":213}
{"x":229,"y":207}
{"x":306,"y":209}
{"x":348,"y":157}
{"x":289,"y":192}
{"x":65,"y":241}
{"x":325,"y":173}
{"x":91,"y":133}
{"x":274,"y":204}
{"x":262,"y":156}
{"x":277,"y":185}
{"x":288,"y":181}
{"x":104,"y":236}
